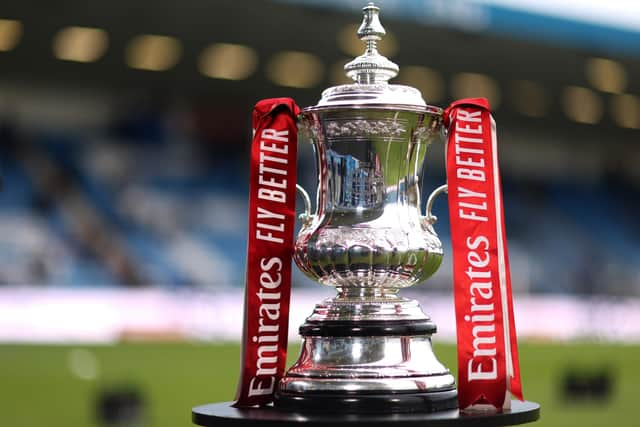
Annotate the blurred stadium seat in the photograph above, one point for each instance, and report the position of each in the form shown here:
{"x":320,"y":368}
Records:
{"x":124,"y":172}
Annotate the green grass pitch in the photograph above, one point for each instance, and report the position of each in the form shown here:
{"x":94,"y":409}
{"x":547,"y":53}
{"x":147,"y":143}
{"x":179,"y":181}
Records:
{"x":38,"y":386}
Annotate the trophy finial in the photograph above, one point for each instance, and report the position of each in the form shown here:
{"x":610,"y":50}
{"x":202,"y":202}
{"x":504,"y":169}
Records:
{"x":371,"y":30}
{"x":371,"y":67}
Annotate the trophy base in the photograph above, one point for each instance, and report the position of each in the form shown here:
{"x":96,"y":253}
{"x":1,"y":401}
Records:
{"x":368,"y":403}
{"x":223,"y":414}
{"x":367,"y":367}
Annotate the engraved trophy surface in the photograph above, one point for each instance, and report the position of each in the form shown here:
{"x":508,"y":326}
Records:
{"x":369,"y":349}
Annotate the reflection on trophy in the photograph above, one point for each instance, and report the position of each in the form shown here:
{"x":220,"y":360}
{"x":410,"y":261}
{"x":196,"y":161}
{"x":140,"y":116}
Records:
{"x":369,"y":349}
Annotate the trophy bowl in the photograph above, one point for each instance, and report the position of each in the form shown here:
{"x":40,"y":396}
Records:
{"x":368,"y":349}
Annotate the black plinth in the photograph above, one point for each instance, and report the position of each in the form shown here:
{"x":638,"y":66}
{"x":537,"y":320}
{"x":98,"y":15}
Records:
{"x":367,"y":328}
{"x":433,"y":401}
{"x":223,"y":415}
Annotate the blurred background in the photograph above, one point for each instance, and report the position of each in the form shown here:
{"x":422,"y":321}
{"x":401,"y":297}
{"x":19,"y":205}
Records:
{"x":124,"y":141}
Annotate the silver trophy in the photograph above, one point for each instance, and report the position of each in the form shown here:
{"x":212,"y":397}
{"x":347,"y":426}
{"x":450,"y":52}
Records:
{"x":369,"y":349}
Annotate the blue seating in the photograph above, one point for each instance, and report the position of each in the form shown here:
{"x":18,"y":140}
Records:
{"x":160,"y":207}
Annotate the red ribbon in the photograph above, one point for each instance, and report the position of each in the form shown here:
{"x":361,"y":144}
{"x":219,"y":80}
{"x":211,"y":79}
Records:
{"x":487,"y":347}
{"x":272,"y":192}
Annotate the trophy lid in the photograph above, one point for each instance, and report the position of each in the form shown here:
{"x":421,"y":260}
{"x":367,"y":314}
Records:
{"x":371,"y":72}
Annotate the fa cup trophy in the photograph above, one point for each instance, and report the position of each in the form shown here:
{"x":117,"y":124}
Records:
{"x":366,"y":354}
{"x":369,"y":349}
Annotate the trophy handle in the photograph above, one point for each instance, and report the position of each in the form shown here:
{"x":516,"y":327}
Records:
{"x":430,"y":217}
{"x":307,"y":216}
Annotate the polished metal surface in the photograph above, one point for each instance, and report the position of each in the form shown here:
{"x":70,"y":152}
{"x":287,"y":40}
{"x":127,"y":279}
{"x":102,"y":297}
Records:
{"x":361,"y":305}
{"x":370,"y":139}
{"x":367,"y":357}
{"x":306,"y":217}
{"x":368,"y":237}
{"x":368,"y":230}
{"x":397,"y":364}
{"x":371,"y":67}
{"x":386,"y":384}
{"x":443,"y":189}
{"x":371,"y":72}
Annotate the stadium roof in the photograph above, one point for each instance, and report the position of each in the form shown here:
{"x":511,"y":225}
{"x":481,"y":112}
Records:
{"x":168,"y":47}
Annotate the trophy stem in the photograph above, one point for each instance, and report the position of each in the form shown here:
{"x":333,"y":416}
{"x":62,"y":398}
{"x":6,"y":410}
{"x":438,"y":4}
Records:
{"x":371,"y":293}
